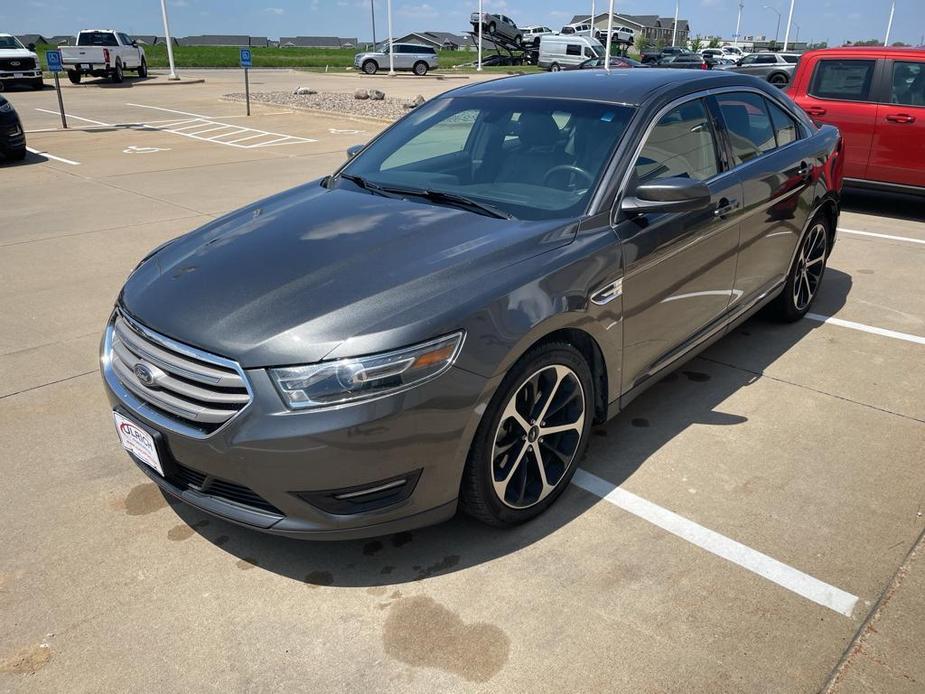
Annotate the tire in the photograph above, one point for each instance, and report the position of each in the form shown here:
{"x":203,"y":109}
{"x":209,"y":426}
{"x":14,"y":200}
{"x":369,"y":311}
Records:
{"x":16,"y":154}
{"x":805,"y":276}
{"x":420,"y":68}
{"x":117,"y":76}
{"x":519,"y":40}
{"x":555,"y":67}
{"x":778,"y":79}
{"x":74,"y":76}
{"x":492,"y":28}
{"x":38,"y":84}
{"x":485,"y":493}
{"x":143,"y":69}
{"x":370,"y":67}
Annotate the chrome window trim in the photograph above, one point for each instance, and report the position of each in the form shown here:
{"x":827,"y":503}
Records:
{"x":145,"y":409}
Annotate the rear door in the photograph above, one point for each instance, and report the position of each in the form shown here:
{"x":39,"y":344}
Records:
{"x":680,"y":267}
{"x":840,"y":92}
{"x":773,"y":158}
{"x":897,"y":153}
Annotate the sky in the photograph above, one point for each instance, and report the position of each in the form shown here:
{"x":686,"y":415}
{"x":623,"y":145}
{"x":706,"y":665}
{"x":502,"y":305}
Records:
{"x":834,"y":21}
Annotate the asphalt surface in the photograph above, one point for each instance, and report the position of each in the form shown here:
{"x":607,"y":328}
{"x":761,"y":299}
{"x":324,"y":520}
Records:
{"x":754,"y":522}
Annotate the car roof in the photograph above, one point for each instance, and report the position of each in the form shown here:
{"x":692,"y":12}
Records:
{"x":632,"y":87}
{"x":870,"y":51}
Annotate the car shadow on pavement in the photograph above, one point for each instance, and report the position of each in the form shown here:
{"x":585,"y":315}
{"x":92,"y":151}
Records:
{"x":883,"y":204}
{"x":690,"y":396}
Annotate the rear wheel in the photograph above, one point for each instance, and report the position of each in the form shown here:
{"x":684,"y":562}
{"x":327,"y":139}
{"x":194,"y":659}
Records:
{"x":117,"y":74}
{"x":492,"y":28}
{"x":143,"y":68}
{"x":420,"y":68}
{"x":74,"y":76}
{"x":530,"y":438}
{"x":805,"y":277}
{"x":370,"y":67}
{"x":519,"y":40}
{"x":555,"y":67}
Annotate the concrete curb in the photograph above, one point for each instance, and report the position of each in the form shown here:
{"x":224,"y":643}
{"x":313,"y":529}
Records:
{"x":317,"y":111}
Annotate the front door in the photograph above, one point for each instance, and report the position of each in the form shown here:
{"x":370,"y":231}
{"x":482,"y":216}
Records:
{"x":898,"y":149}
{"x":679,"y":267}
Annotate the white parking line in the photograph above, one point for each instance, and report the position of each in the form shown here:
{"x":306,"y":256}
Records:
{"x":832,"y":320}
{"x":42,"y":153}
{"x":71,"y":115}
{"x":767,"y":567}
{"x":880,"y":236}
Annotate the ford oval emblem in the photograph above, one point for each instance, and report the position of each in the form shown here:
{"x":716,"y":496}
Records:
{"x":144,"y":373}
{"x":14,"y":63}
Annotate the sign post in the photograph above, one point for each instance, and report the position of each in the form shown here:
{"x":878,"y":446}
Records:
{"x":246,"y":63}
{"x":54,"y":64}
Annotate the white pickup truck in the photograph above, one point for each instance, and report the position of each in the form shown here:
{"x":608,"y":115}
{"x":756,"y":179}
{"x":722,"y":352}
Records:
{"x":103,"y":53}
{"x":18,"y":64}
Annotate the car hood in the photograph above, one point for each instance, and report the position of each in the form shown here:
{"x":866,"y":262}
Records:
{"x":17,"y":53}
{"x":291,"y":278}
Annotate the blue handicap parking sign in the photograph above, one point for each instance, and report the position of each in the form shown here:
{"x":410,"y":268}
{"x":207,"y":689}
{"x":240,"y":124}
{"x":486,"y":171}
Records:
{"x":54,"y":60}
{"x":245,"y":57}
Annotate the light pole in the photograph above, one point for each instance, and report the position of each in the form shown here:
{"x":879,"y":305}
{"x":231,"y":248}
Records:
{"x":173,"y":69}
{"x":774,"y":9}
{"x":889,"y":25}
{"x":391,"y":52}
{"x":479,"y":68}
{"x":735,"y":41}
{"x":789,"y":22}
{"x":609,"y":37}
{"x":592,"y":19}
{"x":372,"y":11}
{"x":674,"y":31}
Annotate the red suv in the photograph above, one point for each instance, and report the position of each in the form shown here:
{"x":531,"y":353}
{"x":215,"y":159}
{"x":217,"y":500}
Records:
{"x":876,"y":97}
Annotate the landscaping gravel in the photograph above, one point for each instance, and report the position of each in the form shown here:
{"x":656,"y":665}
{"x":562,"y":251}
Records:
{"x":333,"y":102}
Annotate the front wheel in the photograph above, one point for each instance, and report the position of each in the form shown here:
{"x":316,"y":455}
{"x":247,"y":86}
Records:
{"x":143,"y":68}
{"x":555,"y":67}
{"x":805,"y":277}
{"x":492,"y":28}
{"x":370,"y":67}
{"x":117,"y":74}
{"x":16,"y":154}
{"x":519,"y":41}
{"x":38,"y":84}
{"x":420,"y":68}
{"x":531,"y":437}
{"x":778,"y":80}
{"x":74,"y":76}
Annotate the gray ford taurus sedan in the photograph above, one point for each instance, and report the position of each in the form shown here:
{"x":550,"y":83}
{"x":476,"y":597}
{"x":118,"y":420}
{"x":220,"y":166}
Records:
{"x":439,"y":323}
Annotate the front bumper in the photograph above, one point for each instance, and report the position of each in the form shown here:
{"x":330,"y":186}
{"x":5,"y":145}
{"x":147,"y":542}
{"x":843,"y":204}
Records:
{"x":298,"y":473}
{"x":20,"y":76}
{"x":12,"y":135}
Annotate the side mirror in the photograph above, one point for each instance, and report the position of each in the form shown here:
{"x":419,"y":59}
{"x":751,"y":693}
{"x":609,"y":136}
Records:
{"x":354,"y":150}
{"x":134,"y":44}
{"x":31,"y":46}
{"x":668,"y":195}
{"x":739,"y":62}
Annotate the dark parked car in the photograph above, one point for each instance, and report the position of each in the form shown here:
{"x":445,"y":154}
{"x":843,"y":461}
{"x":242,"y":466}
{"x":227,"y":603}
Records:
{"x":616,"y":62}
{"x":654,"y":56}
{"x":441,"y":321}
{"x":684,"y":61}
{"x":776,"y":68}
{"x":12,"y":136}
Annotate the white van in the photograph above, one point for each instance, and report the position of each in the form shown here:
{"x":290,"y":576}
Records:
{"x":558,"y":52}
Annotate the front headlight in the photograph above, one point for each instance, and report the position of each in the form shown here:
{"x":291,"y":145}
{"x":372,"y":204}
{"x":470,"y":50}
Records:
{"x":361,"y":378}
{"x":6,"y":107}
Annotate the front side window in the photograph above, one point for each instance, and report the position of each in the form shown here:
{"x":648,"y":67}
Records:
{"x":843,"y":79}
{"x":908,"y":86}
{"x":766,"y":59}
{"x":748,"y":125}
{"x":534,"y":158}
{"x":749,"y":59}
{"x":681,"y":145}
{"x":10,"y":42}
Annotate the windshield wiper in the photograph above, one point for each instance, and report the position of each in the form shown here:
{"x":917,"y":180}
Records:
{"x":455,"y":199}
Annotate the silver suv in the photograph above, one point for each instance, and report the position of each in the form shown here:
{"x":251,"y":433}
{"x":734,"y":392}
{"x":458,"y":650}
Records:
{"x":406,"y":56}
{"x":497,"y":25}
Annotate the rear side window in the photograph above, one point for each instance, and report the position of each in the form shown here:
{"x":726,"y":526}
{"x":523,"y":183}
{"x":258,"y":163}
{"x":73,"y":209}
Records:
{"x":792,"y":59}
{"x":843,"y":79}
{"x":748,"y":124}
{"x":573,"y":49}
{"x":785,"y":128}
{"x":681,"y":145}
{"x":908,"y":86}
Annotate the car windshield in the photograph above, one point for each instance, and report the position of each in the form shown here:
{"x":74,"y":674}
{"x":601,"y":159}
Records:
{"x":530,"y":158}
{"x":10,"y":42}
{"x":598,"y":51}
{"x":97,"y":38}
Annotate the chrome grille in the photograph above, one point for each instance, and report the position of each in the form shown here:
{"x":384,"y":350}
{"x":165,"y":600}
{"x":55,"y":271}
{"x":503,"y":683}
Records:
{"x":187,"y":385}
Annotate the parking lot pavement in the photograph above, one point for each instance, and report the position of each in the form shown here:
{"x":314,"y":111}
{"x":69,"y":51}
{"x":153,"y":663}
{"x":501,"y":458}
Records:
{"x":750,"y":523}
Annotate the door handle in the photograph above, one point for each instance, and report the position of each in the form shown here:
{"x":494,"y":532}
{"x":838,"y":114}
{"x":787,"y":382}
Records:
{"x":804,"y":170}
{"x":725,"y":207}
{"x":815,"y":110}
{"x":900,"y":118}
